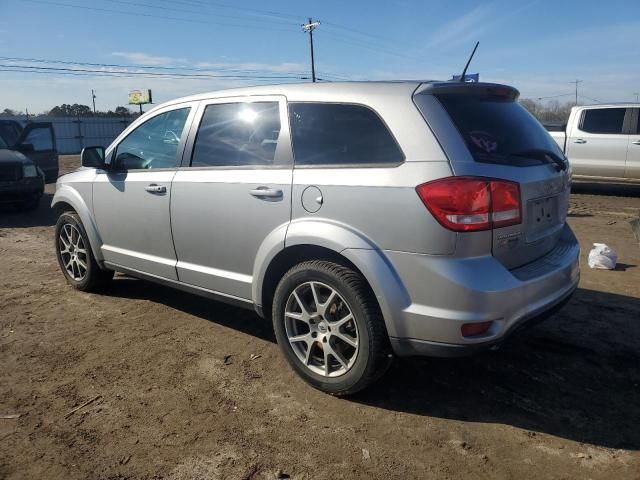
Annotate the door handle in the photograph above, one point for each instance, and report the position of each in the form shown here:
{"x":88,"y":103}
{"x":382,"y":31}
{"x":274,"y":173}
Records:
{"x":637,"y":142}
{"x":266,"y":192}
{"x":153,"y":188}
{"x":580,"y":140}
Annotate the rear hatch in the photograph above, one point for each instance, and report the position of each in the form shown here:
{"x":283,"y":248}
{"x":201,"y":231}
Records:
{"x":487,"y":133}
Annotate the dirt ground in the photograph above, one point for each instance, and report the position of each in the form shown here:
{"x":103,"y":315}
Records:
{"x":560,"y":401}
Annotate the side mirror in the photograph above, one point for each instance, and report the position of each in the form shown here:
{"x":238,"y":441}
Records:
{"x":26,"y":148}
{"x":92,"y":157}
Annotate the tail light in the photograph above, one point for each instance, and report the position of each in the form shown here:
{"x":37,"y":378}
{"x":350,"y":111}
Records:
{"x":470,"y":204}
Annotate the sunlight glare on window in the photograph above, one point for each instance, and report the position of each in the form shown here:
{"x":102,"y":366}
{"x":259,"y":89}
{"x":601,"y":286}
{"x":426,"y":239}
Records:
{"x":247,"y":115}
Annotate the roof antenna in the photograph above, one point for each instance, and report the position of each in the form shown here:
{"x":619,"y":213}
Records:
{"x":464,"y":72}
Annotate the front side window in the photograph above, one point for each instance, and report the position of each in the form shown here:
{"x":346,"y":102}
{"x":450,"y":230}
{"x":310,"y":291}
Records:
{"x":603,"y":120}
{"x":154,"y":144}
{"x":340,"y":134}
{"x":237,"y":134}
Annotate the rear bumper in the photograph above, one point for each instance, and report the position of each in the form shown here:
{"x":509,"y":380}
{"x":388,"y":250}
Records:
{"x":408,"y":347}
{"x":446,"y":293}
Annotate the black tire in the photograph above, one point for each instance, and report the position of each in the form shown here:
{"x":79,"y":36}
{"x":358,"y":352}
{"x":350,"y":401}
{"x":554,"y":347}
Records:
{"x":95,"y":277}
{"x":373,"y":356}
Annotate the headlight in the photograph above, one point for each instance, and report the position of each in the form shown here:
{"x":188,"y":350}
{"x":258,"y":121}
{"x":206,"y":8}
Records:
{"x":29,"y":171}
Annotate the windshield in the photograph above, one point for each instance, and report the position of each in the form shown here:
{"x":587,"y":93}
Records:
{"x":9,"y":134}
{"x":498,"y":130}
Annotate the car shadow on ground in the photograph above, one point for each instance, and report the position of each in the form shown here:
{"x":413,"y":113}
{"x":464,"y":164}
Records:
{"x":15,"y":217}
{"x":615,"y":189}
{"x":575,"y":376}
{"x":240,"y":319}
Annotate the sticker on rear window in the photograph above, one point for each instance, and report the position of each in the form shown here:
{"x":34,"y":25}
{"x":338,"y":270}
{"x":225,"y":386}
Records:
{"x":484,"y":141}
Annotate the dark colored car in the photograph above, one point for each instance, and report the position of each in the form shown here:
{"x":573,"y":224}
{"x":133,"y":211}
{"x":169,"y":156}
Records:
{"x":23,"y":154}
{"x":36,"y":141}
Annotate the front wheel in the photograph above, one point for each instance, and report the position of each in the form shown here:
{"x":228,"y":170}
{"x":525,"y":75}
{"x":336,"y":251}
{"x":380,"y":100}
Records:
{"x":75,"y":257}
{"x":329,"y":327}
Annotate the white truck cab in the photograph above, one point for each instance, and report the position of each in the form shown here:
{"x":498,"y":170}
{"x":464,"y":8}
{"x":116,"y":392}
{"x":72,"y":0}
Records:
{"x":602,"y":142}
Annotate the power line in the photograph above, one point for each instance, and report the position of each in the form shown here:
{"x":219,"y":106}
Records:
{"x":592,"y":99}
{"x":98,"y":75}
{"x":149,"y":15}
{"x":253,"y":11}
{"x":144,"y":67}
{"x":154,"y":74}
{"x":361,"y":33}
{"x":343,"y":40}
{"x":199,"y":12}
{"x":555,"y":96}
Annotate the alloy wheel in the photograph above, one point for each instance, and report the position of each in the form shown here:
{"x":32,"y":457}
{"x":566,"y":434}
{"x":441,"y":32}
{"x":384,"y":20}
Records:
{"x":321,"y":329}
{"x":73,"y":252}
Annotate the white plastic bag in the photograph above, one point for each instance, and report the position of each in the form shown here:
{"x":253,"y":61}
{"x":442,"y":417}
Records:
{"x":602,"y":257}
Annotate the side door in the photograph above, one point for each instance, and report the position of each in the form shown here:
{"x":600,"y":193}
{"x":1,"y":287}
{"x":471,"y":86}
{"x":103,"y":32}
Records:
{"x":38,"y":142}
{"x":597,"y":143}
{"x":131,"y":198}
{"x":232,"y":192}
{"x":633,"y":153}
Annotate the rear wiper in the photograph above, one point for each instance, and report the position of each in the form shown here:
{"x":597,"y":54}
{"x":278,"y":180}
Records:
{"x":542,"y":154}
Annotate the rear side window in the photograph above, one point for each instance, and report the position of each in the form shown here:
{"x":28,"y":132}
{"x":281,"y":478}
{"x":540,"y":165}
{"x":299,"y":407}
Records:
{"x":237,"y":134}
{"x":497,"y":129}
{"x":603,"y":120}
{"x":340,"y":134}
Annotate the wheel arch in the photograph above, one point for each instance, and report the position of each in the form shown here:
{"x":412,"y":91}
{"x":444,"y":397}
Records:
{"x":315,"y":240}
{"x":68,"y":199}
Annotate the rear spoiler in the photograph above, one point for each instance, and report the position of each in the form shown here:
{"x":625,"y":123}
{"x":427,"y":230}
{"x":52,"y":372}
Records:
{"x":468,"y":88}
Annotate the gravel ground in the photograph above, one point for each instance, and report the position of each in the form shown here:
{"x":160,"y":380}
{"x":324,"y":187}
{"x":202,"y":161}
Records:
{"x":181,"y":387}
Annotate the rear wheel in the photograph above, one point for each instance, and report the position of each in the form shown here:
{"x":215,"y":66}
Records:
{"x":329,"y":326}
{"x":75,"y":257}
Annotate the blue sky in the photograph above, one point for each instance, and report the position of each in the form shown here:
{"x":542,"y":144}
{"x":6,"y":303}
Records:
{"x":537,"y":46}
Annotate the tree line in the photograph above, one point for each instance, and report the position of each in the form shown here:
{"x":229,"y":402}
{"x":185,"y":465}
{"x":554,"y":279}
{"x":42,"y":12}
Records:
{"x":75,"y":110}
{"x":553,"y":112}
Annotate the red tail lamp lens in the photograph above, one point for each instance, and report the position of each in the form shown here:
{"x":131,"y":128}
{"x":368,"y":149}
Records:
{"x":475,"y":329}
{"x":468,"y":204}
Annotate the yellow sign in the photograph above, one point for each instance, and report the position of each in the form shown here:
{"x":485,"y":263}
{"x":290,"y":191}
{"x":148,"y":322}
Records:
{"x":140,"y":97}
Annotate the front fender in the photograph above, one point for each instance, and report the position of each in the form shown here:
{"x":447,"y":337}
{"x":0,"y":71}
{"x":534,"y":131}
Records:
{"x":349,"y":243}
{"x":69,"y":195}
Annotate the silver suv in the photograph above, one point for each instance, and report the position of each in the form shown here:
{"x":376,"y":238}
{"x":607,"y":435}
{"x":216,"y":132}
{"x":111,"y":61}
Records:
{"x":366,"y":220}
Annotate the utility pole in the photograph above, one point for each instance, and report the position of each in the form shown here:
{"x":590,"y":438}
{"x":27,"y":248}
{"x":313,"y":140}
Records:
{"x":637,"y":97}
{"x":310,"y":27}
{"x":576,"y":83}
{"x":93,"y":98}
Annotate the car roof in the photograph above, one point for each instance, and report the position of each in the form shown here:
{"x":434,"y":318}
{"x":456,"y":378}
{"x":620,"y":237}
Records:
{"x":311,"y":91}
{"x":610,"y":105}
{"x":356,"y":91}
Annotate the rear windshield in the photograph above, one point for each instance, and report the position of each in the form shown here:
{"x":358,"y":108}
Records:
{"x":496,"y":129}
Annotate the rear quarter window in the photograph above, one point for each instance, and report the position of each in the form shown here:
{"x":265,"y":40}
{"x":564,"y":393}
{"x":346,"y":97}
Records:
{"x":341,"y":134}
{"x":603,"y":120}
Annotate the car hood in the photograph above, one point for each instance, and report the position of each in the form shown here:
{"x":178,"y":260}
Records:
{"x":12,"y":156}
